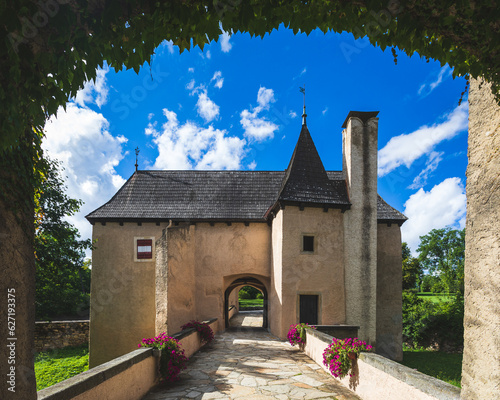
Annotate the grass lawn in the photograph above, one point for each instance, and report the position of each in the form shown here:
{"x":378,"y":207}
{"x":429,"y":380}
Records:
{"x":444,"y":366}
{"x":251,"y":302}
{"x":435,"y":297}
{"x":54,"y":366}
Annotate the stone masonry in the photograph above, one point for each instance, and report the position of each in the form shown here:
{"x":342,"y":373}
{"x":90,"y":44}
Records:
{"x":481,"y":362}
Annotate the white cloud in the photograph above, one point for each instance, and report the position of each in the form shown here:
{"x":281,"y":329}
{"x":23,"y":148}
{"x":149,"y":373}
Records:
{"x":225,"y":46}
{"x":207,"y":109}
{"x":292,"y":114}
{"x":209,"y":55}
{"x":190,"y":85}
{"x":94,"y":92}
{"x":219,"y":80}
{"x":443,"y":205}
{"x":300,"y":74}
{"x":427,"y":88}
{"x":79,"y":138}
{"x":432,"y":163}
{"x":406,"y":148}
{"x":189,"y":146}
{"x":191,"y":69}
{"x":258,"y":128}
{"x":265,"y":97}
{"x":324,"y":111}
{"x":252,"y":165}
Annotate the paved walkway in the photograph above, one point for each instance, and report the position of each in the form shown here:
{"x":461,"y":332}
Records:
{"x":251,"y":364}
{"x":245,"y":319}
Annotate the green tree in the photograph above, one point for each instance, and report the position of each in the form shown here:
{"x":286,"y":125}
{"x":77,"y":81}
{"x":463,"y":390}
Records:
{"x":62,"y":276}
{"x":51,"y":47}
{"x":442,"y":253}
{"x":412,"y":271}
{"x":432,"y":283}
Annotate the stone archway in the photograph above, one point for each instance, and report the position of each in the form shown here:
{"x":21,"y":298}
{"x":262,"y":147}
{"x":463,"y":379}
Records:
{"x":246,"y":281}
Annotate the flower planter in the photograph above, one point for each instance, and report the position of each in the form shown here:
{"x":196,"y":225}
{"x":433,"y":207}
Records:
{"x":340,"y":355}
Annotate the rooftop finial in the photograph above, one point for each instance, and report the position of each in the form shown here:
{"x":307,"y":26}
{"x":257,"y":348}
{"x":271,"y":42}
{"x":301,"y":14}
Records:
{"x":136,"y":155}
{"x":304,"y":115}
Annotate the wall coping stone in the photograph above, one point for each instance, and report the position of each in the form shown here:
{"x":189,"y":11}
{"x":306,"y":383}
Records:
{"x":89,"y":379}
{"x":337,"y":326}
{"x":320,"y":335}
{"x":425,"y":383}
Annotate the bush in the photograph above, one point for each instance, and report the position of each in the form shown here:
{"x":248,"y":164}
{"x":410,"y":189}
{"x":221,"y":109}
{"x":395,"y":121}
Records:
{"x":251,"y":292}
{"x":429,"y":324}
{"x":244,"y":295}
{"x":416,"y":314}
{"x":260,"y":296}
{"x":439,"y":287}
{"x":428,"y":282}
{"x":445,"y":328}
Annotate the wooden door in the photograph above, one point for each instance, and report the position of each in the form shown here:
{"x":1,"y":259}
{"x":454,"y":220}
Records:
{"x":309,"y":308}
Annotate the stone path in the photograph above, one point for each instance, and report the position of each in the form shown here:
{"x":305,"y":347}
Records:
{"x":251,"y":364}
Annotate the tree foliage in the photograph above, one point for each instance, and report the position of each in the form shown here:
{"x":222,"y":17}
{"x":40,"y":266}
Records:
{"x":62,"y":276}
{"x":412,"y":271}
{"x":51,"y":47}
{"x":442,"y":253}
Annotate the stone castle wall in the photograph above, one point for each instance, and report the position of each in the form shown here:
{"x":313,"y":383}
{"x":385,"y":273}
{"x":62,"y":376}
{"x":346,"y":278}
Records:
{"x":56,"y":335}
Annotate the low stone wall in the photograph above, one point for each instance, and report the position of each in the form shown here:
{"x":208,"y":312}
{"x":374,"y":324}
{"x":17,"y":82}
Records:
{"x":56,"y":335}
{"x":128,"y":377}
{"x":380,"y":378}
{"x":190,"y":340}
{"x":232,"y":312}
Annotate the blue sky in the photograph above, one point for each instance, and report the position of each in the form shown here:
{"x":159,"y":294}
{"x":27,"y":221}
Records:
{"x":237,"y":105}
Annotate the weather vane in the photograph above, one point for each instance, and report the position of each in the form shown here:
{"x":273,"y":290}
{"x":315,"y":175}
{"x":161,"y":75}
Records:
{"x":304,"y":115}
{"x":136,"y":155}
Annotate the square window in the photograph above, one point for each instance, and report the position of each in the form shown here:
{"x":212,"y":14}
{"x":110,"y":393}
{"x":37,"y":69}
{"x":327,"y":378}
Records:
{"x":308,"y":243}
{"x":144,"y":249}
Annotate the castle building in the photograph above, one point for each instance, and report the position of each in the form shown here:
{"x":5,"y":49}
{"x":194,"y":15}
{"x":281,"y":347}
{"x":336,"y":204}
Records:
{"x":322,"y":246}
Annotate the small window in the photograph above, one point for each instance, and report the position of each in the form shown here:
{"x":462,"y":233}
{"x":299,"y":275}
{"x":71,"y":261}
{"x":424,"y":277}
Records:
{"x":144,"y":249}
{"x":308,"y":244}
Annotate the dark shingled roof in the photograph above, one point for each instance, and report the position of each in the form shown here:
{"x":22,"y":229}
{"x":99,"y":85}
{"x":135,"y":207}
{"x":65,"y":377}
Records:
{"x":208,"y":196}
{"x":306,"y":180}
{"x":386,"y":213}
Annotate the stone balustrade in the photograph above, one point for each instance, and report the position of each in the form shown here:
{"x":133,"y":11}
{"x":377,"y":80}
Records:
{"x":378,"y":377}
{"x":128,"y":377}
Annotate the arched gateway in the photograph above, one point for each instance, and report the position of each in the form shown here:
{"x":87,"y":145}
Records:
{"x":171,"y":246}
{"x":247,"y":281}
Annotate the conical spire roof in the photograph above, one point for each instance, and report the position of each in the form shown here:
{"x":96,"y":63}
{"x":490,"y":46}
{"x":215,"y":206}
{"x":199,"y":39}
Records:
{"x":306,"y":180}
